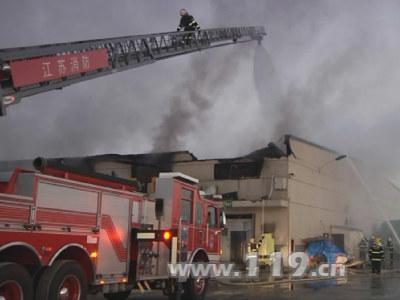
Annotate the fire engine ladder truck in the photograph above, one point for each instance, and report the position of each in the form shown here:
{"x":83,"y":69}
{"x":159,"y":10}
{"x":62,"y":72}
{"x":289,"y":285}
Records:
{"x":27,"y":71}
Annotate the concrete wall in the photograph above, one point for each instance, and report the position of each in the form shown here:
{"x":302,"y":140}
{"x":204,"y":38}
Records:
{"x":201,"y":170}
{"x":316,"y":191}
{"x":337,"y":192}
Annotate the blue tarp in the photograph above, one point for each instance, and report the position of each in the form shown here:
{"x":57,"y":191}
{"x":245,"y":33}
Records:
{"x":326,"y":247}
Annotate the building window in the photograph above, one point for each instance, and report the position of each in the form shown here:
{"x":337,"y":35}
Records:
{"x":237,"y":170}
{"x":199,"y":213}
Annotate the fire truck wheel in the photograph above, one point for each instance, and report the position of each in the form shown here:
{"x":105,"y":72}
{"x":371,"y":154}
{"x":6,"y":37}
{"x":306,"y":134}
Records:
{"x":117,"y":295}
{"x":196,"y":287}
{"x":15,"y":282}
{"x":64,"y":280}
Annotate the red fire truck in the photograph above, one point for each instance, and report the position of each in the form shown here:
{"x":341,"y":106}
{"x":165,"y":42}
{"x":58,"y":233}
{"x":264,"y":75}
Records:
{"x":65,"y":234}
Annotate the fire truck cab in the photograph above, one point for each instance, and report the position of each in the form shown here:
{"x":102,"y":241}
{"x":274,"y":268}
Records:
{"x":65,"y":234}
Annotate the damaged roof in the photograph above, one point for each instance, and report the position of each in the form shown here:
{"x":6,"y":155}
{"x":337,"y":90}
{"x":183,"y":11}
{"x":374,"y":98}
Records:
{"x":271,"y":151}
{"x":287,"y":138}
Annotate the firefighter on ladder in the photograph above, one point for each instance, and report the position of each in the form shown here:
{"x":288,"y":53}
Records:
{"x":376,"y":255}
{"x":188,"y":23}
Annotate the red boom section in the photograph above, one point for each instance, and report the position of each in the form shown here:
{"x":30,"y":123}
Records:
{"x":28,"y":71}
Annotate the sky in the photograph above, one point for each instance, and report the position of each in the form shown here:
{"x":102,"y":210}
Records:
{"x":328,"y":71}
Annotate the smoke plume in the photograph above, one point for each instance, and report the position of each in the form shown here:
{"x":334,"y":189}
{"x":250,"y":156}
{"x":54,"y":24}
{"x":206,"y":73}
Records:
{"x":194,"y":97}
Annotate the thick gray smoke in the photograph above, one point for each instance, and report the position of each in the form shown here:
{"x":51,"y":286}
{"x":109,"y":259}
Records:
{"x":192,"y":99}
{"x":303,"y":109}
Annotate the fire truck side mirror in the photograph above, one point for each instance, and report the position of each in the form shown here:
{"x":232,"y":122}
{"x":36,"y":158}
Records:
{"x":222,"y":219}
{"x":159,"y":207}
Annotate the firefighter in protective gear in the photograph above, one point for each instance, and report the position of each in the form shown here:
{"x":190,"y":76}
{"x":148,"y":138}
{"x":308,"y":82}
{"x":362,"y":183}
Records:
{"x":363,"y":245}
{"x":188,"y":23}
{"x":252,"y":257}
{"x":390,"y":246}
{"x":376,"y":255}
{"x":253,"y":246}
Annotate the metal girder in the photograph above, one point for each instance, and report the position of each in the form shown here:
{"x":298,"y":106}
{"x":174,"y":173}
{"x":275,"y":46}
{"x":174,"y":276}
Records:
{"x":123,"y":53}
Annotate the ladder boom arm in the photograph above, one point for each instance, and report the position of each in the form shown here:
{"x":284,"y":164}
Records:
{"x":32,"y":70}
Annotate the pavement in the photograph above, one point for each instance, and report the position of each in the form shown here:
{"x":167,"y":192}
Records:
{"x":264,"y":277}
{"x":357,"y":284}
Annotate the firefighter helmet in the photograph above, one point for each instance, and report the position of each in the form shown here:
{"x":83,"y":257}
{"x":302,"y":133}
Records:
{"x":378,"y":240}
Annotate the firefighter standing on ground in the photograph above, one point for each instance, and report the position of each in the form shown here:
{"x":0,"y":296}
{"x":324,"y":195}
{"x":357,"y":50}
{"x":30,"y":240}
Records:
{"x":376,"y":255}
{"x":363,"y":245}
{"x":390,"y":246}
{"x":252,"y":256}
{"x":253,"y":246}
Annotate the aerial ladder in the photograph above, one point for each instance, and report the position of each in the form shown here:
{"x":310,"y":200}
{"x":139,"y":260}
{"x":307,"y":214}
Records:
{"x":26,"y":71}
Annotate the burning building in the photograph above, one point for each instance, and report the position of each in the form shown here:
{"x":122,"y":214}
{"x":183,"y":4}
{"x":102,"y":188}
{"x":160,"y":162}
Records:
{"x":294,"y":192}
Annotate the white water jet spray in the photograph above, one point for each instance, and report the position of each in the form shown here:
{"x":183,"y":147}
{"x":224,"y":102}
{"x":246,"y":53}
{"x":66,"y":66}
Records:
{"x":370,"y":194}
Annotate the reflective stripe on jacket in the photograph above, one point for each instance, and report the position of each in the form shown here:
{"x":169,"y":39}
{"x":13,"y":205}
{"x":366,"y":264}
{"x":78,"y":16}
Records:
{"x":376,"y":252}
